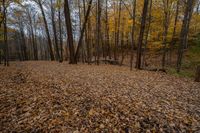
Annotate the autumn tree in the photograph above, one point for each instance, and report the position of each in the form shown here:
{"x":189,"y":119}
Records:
{"x":189,"y":6}
{"x":141,"y":35}
{"x":40,"y":4}
{"x":69,"y":32}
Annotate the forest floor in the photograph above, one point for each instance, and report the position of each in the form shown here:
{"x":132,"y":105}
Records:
{"x":48,"y":96}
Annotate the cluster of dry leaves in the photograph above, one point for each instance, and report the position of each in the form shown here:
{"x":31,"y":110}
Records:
{"x":53,"y":97}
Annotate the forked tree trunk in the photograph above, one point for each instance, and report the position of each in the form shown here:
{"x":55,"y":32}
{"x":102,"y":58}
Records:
{"x":83,"y":29}
{"x":86,"y":34}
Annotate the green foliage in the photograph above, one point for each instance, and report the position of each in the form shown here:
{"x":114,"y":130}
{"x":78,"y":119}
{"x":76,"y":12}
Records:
{"x":191,"y":60}
{"x":183,"y":73}
{"x":194,"y":52}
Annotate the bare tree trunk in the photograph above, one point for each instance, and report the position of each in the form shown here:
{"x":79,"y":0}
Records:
{"x":133,"y":32}
{"x":32,"y":35}
{"x":47,"y":30}
{"x":24,"y":49}
{"x":197,"y":78}
{"x":31,"y":55}
{"x":166,"y":27}
{"x":6,"y":62}
{"x":147,"y":34}
{"x":115,"y":33}
{"x":80,"y":26}
{"x":122,"y":42}
{"x":108,"y":49}
{"x":98,"y":25}
{"x":184,"y":32}
{"x":83,"y":29}
{"x":60,"y":31}
{"x":89,"y":41}
{"x":35,"y":38}
{"x":173,"y":41}
{"x":54,"y":30}
{"x":69,"y":33}
{"x":118,"y":29}
{"x":141,"y":36}
{"x":86,"y":34}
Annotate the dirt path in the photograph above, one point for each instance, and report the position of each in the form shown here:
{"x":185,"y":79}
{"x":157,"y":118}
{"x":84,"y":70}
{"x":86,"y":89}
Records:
{"x":48,"y":96}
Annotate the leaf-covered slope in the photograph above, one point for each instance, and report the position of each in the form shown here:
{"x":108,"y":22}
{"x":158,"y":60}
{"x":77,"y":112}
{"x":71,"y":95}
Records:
{"x":48,"y":96}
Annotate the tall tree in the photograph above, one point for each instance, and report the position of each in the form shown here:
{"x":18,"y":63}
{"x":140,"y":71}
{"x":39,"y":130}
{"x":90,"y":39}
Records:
{"x":60,"y":30}
{"x":147,"y":33}
{"x":69,"y":32}
{"x":31,"y":21}
{"x":173,"y":40}
{"x":6,"y":61}
{"x":39,"y":2}
{"x":184,"y":31}
{"x":83,"y":28}
{"x":141,"y":35}
{"x":118,"y":23}
{"x":98,"y":28}
{"x":167,"y":12}
{"x":23,"y":40}
{"x":133,"y":31}
{"x":54,"y":30}
{"x":108,"y":48}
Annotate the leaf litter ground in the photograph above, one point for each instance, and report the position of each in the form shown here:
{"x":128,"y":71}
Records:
{"x":53,"y":97}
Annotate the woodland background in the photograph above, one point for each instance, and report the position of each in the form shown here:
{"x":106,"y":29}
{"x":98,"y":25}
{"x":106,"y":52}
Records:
{"x":148,"y":34}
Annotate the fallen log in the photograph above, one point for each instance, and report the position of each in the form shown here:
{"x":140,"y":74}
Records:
{"x":112,"y":62}
{"x":156,"y":70}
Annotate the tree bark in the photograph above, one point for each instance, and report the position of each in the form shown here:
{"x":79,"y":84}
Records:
{"x":141,"y":36}
{"x":31,"y":35}
{"x":173,"y":40}
{"x":69,"y":33}
{"x":54,"y":31}
{"x":24,"y":48}
{"x":166,"y":4}
{"x":197,"y":78}
{"x":47,"y":30}
{"x":60,"y":31}
{"x":83,"y":29}
{"x":6,"y":61}
{"x":98,"y":25}
{"x":133,"y":32}
{"x":184,"y":32}
{"x":118,"y":30}
{"x":108,"y":49}
{"x":147,"y":34}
